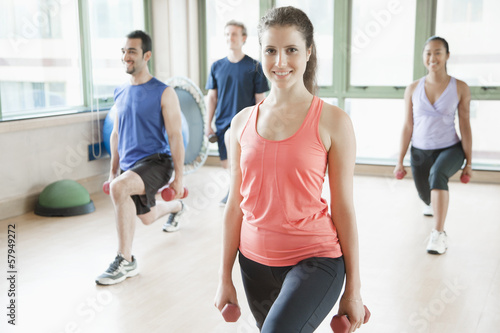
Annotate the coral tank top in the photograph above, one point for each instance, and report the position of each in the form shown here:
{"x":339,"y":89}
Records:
{"x":285,"y":220}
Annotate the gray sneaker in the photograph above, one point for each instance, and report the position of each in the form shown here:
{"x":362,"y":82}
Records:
{"x":118,"y":270}
{"x":172,"y":223}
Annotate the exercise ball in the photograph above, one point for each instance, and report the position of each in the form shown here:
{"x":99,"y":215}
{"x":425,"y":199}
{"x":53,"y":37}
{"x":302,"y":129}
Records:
{"x":192,"y":104}
{"x":107,"y":128}
{"x":64,"y":198}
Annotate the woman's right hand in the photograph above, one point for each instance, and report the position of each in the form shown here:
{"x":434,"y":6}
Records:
{"x":226,"y":293}
{"x":399,"y":171}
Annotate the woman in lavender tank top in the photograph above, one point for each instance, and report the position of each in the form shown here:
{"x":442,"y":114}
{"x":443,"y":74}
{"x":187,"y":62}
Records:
{"x":437,"y":152}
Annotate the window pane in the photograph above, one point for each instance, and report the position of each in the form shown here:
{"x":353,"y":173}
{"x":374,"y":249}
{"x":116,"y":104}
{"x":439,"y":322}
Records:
{"x":320,"y":13}
{"x":382,"y":42}
{"x":110,"y":22}
{"x":485,"y":117}
{"x":471,"y":29}
{"x":40,"y":68}
{"x":377,"y":125}
{"x":331,"y":100}
{"x":219,"y":12}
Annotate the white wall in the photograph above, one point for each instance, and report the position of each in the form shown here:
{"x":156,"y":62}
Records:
{"x":175,"y":34}
{"x":37,"y":152}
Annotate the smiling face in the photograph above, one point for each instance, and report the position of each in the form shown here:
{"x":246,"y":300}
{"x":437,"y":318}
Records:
{"x":132,"y":56}
{"x":284,"y":56}
{"x":435,"y":56}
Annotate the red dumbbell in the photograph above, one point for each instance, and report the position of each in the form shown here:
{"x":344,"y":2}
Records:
{"x":340,"y":324}
{"x":168,"y":193}
{"x":105,"y":187}
{"x":400,"y":174}
{"x":465,"y":178}
{"x":231,"y":313}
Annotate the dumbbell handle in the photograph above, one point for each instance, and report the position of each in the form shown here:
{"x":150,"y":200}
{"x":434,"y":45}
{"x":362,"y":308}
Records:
{"x":341,"y":324}
{"x":168,"y":193}
{"x":231,"y":312}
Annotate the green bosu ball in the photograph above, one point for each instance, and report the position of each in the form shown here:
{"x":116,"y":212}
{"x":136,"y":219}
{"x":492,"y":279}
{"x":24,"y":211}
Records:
{"x":64,"y":198}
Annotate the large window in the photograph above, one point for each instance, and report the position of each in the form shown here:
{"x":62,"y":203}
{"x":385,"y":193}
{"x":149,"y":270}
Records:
{"x":370,"y":50}
{"x":41,"y":62}
{"x":382,"y":40}
{"x":377,"y":124}
{"x":471,"y":28}
{"x":43,"y":68}
{"x":485,"y":120}
{"x":110,"y":21}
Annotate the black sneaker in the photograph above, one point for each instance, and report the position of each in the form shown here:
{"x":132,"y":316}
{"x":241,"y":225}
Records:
{"x":172,"y":223}
{"x":118,"y":270}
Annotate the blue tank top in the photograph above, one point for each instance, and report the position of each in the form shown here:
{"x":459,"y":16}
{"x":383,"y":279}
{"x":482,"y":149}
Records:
{"x":434,"y":124}
{"x":141,"y":128}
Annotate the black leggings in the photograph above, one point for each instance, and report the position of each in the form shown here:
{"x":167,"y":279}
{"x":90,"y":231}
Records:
{"x":432,"y":169}
{"x":293,"y":298}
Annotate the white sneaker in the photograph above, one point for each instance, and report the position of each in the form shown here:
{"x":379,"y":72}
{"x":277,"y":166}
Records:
{"x":173,"y":221}
{"x":438,"y":243}
{"x":428,"y":211}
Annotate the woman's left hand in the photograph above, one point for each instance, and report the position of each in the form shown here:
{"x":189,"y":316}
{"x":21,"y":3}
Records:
{"x":354,"y":309}
{"x":467,"y":170}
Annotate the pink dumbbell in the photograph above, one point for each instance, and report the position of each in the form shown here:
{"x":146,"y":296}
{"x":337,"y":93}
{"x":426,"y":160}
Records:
{"x":400,"y":174}
{"x":168,"y":193}
{"x":340,"y":324}
{"x":465,"y":178}
{"x":105,"y":187}
{"x":231,"y":313}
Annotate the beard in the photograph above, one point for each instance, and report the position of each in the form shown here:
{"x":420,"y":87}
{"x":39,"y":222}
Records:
{"x":130,"y":70}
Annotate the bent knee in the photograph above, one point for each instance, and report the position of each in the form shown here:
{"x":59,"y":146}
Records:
{"x":438,"y":181}
{"x":117,"y":189}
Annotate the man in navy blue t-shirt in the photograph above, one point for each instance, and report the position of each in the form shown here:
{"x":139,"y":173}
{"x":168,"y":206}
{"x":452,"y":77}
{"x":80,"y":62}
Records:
{"x":234,"y":83}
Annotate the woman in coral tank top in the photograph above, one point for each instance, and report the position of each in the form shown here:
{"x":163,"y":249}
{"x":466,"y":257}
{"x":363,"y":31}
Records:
{"x":294,"y":253}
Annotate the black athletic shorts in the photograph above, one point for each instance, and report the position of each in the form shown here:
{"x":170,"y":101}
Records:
{"x":155,"y":171}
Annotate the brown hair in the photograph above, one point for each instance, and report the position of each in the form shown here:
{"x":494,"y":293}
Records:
{"x":291,"y":16}
{"x":237,"y":24}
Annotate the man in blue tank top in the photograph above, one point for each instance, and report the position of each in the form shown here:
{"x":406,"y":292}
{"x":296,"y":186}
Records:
{"x":234,"y":82}
{"x":141,"y":159}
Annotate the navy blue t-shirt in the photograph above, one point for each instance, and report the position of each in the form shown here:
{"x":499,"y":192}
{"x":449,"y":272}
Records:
{"x":141,"y":128}
{"x":236,"y":84}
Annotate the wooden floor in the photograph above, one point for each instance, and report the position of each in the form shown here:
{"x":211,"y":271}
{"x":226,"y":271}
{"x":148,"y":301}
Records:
{"x":406,"y":289}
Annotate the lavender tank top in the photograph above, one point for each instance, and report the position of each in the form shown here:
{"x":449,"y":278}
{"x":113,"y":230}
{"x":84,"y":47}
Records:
{"x":434,"y":124}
